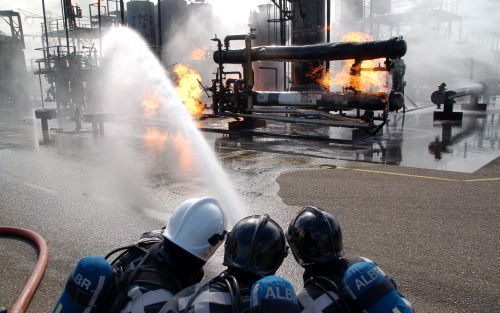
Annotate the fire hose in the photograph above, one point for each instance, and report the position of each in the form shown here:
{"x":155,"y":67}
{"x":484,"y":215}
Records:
{"x":31,"y":286}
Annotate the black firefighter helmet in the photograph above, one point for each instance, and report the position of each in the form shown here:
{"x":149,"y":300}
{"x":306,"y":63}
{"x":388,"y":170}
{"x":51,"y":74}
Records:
{"x":257,"y":245}
{"x":315,"y":237}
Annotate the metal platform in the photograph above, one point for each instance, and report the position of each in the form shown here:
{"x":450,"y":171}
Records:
{"x":414,"y":140}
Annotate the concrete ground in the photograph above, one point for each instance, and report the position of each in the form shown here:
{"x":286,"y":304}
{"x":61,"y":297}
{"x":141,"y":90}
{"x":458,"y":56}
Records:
{"x":435,"y":231}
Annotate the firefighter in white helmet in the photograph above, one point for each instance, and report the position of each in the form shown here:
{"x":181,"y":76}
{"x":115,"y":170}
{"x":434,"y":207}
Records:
{"x":166,"y":261}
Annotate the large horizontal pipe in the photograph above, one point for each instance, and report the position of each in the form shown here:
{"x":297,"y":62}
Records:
{"x":476,"y":89}
{"x":331,"y":101}
{"x":440,"y":96}
{"x":392,"y":48}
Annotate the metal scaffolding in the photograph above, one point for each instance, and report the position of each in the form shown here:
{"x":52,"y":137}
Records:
{"x":385,"y":18}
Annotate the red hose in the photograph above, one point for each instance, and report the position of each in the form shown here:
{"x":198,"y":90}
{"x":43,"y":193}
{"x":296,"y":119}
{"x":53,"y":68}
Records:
{"x":29,"y":289}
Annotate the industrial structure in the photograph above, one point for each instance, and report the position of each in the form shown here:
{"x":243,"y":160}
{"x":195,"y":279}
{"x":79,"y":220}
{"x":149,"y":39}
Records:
{"x":236,"y":97}
{"x":71,"y":50}
{"x":291,"y":53}
{"x":447,"y":98}
{"x":12,"y":60}
{"x":440,"y":19}
{"x":299,"y":51}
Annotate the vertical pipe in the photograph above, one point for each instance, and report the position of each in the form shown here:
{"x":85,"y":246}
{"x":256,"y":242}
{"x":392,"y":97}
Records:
{"x":46,"y":33}
{"x":327,"y":29}
{"x":249,"y":70}
{"x":371,"y":17}
{"x":100,"y":30}
{"x":41,"y":89}
{"x":58,"y":36}
{"x":160,"y":38}
{"x":307,"y":28}
{"x":45,"y":127}
{"x":63,"y":4}
{"x":328,"y":19}
{"x":122,"y":12}
{"x":248,"y":49}
{"x":283,"y":6}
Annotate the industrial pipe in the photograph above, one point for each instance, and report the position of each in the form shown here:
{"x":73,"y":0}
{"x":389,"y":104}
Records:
{"x":333,"y":101}
{"x":392,"y":48}
{"x":476,"y":89}
{"x":29,"y":289}
{"x":229,"y":38}
{"x":439,"y":96}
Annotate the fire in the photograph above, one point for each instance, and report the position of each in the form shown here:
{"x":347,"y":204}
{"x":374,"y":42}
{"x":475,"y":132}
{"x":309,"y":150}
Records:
{"x":154,"y":138}
{"x":159,"y":140}
{"x":317,"y":74}
{"x":356,"y":37}
{"x":360,"y":77}
{"x":189,"y":89}
{"x":326,"y":28}
{"x":151,"y":103}
{"x":198,"y":54}
{"x":184,"y":152}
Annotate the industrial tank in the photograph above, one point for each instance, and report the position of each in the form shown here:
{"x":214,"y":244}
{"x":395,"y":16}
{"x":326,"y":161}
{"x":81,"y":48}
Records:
{"x":268,"y":75}
{"x":141,"y":17}
{"x":173,"y":12}
{"x":308,"y":27}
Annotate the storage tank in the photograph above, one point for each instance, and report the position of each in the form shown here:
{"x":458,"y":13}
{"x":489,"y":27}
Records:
{"x":202,"y":11}
{"x":13,"y":70}
{"x":173,"y":12}
{"x":268,"y":75}
{"x":141,"y":17}
{"x":308,"y":27}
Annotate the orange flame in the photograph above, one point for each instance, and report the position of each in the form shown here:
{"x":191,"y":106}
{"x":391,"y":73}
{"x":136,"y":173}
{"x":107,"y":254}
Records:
{"x":325,"y":28}
{"x":325,"y":81}
{"x":151,"y":103}
{"x":198,"y":54}
{"x":189,"y":89}
{"x":154,"y":138}
{"x":185,"y":152}
{"x":157,"y":140}
{"x":317,"y":74}
{"x":365,"y":80}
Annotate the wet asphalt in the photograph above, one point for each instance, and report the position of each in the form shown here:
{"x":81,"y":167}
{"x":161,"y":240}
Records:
{"x":435,"y":231}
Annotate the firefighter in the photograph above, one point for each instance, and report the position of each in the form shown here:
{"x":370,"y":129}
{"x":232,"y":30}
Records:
{"x":273,"y":294}
{"x":332,"y":282}
{"x":255,"y":248}
{"x":164,"y":262}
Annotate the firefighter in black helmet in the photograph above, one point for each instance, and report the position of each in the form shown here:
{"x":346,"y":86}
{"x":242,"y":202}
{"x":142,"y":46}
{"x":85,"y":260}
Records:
{"x":255,"y":247}
{"x":332,"y":282}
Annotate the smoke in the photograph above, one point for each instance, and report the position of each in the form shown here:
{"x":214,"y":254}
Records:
{"x":452,"y":53}
{"x":480,"y":17}
{"x":194,"y":30}
{"x":448,"y":41}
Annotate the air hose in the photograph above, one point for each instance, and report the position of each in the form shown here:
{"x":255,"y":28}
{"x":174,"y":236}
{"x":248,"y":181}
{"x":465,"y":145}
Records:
{"x":31,"y":286}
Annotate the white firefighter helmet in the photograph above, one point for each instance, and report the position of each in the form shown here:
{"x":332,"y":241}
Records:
{"x":198,"y":226}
